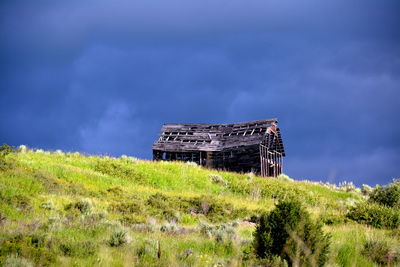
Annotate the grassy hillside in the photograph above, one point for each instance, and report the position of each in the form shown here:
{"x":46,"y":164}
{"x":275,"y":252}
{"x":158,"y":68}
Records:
{"x":66,"y":209}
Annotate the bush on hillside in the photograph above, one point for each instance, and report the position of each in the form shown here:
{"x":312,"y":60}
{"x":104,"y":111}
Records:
{"x":216,"y":210}
{"x":20,"y":202}
{"x":366,"y":189}
{"x":380,"y":252}
{"x":217,"y":179}
{"x":375,"y":215}
{"x":149,"y":250}
{"x":159,"y":201}
{"x":347,"y":186}
{"x":284,"y":177}
{"x":149,"y":226}
{"x":115,"y":190}
{"x":333,"y":218}
{"x":289,"y":232}
{"x":15,"y":261}
{"x":171,"y":215}
{"x":5,"y":150}
{"x":48,"y":205}
{"x":132,"y":219}
{"x":114,"y":167}
{"x":34,"y":247}
{"x":221,"y":233}
{"x":388,"y":195}
{"x":71,"y":248}
{"x":169,"y":227}
{"x":128,"y":207}
{"x":22,"y":149}
{"x":85,"y":206}
{"x":119,"y":237}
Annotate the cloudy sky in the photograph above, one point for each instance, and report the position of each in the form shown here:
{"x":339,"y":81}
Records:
{"x":103,"y":76}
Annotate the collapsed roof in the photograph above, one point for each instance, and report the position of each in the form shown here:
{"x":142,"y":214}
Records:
{"x":217,"y":137}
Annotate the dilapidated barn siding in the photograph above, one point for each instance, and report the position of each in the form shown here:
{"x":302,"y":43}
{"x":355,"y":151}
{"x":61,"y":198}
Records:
{"x":235,"y":147}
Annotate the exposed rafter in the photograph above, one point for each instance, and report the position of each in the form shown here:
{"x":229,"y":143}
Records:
{"x":216,"y":137}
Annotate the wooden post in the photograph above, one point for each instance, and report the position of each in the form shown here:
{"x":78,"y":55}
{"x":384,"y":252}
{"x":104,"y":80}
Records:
{"x":260,"y":148}
{"x":265,"y":158}
{"x":263,"y":170}
{"x":266,"y":162}
{"x":261,"y":161}
{"x":157,"y":155}
{"x":273,"y":164}
{"x":209,"y":159}
{"x":280,"y":159}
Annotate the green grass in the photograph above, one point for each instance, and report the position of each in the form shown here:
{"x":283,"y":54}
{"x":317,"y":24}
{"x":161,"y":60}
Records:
{"x":138,"y":196}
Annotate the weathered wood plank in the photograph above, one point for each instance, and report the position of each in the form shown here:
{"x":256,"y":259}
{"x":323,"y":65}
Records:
{"x":242,"y":147}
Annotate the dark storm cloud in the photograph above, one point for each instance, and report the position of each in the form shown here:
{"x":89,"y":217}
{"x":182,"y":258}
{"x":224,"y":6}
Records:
{"x":102,"y":77}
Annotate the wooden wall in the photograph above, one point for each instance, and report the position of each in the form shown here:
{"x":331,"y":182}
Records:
{"x":238,"y":159}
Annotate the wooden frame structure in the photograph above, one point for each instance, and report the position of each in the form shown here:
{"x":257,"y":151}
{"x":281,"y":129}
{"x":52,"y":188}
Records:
{"x":254,"y":146}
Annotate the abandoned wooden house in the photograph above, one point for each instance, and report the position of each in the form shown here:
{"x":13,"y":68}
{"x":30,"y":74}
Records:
{"x":254,"y":146}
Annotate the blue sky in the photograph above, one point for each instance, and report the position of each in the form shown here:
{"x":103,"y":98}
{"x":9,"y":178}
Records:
{"x":103,"y":76}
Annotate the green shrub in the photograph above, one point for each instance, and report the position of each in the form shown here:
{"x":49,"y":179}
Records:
{"x":159,"y":201}
{"x":116,"y":190}
{"x":333,"y":219}
{"x":375,"y":215}
{"x":149,"y":227}
{"x":217,"y":179}
{"x":130,"y":219}
{"x":284,"y":177}
{"x":20,"y":202}
{"x":114,"y":167}
{"x":15,"y":261}
{"x":388,"y":195}
{"x":118,"y":238}
{"x":148,"y":250}
{"x":54,"y":222}
{"x":85,"y":206}
{"x":192,"y":164}
{"x":5,"y":150}
{"x":366,"y":189}
{"x":22,"y":149}
{"x":48,"y":205}
{"x":92,"y":218}
{"x":127,"y":207}
{"x":78,"y":249}
{"x":34,"y":247}
{"x":169,"y":227}
{"x":214,"y":209}
{"x":3,"y":218}
{"x":58,"y":152}
{"x":347,"y":186}
{"x":288,"y":232}
{"x":5,"y":164}
{"x":270,"y":188}
{"x":221,"y":232}
{"x":379,"y":251}
{"x":275,"y":261}
{"x":171,"y":215}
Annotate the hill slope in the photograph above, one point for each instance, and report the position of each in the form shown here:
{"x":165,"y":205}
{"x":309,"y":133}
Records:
{"x":69,"y":209}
